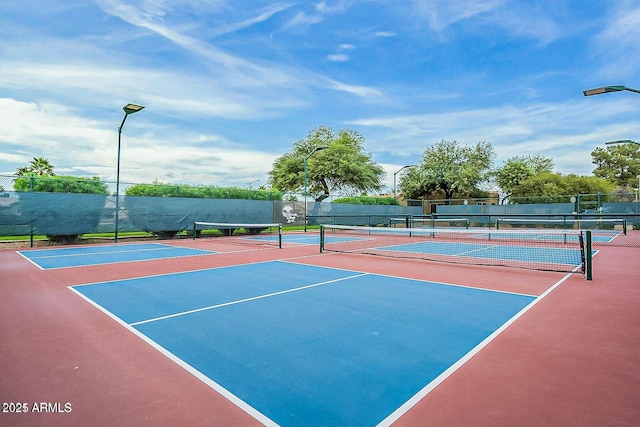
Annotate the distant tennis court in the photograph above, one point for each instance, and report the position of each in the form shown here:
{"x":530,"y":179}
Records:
{"x":296,"y":344}
{"x":95,"y":255}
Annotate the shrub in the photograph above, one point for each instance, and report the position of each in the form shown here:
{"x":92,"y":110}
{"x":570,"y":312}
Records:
{"x":61,"y":184}
{"x":157,"y":189}
{"x":366,"y":200}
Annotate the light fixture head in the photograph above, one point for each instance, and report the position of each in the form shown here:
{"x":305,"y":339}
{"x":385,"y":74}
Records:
{"x":132,"y":108}
{"x":604,"y":89}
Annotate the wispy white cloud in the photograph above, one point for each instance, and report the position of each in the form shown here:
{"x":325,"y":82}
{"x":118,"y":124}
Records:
{"x":518,"y":18}
{"x":337,"y":57}
{"x":149,"y":152}
{"x":224,"y":98}
{"x":440,"y":15}
{"x":366,"y":93}
{"x":302,"y":19}
{"x":513,"y":130}
{"x":617,"y":45}
{"x":336,"y":6}
{"x":265,"y":15}
{"x":241,"y":73}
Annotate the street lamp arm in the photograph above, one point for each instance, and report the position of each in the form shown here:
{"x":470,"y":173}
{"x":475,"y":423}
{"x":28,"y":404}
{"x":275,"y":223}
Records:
{"x":394,"y":177}
{"x":607,"y":89}
{"x":124,"y":119}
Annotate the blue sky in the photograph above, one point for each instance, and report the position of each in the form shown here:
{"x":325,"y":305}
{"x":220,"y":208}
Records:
{"x":229,"y":86}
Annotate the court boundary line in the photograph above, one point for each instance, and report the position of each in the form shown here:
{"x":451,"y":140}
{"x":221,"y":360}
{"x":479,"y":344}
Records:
{"x":30,"y":260}
{"x":235,"y":400}
{"x":163,"y":248}
{"x":416,"y":398}
{"x":125,"y":262}
{"x":209,"y":252}
{"x":256,"y":414}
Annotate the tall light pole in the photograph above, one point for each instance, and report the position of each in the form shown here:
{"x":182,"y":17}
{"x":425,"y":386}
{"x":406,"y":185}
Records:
{"x":305,"y":182}
{"x":128,"y":109}
{"x":607,"y":89}
{"x":255,"y":180}
{"x":627,"y":141}
{"x":394,"y":177}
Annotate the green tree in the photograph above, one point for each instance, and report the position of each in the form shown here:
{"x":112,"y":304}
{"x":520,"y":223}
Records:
{"x":448,"y":167}
{"x":518,"y":169}
{"x":343,"y":167}
{"x":38,"y":166}
{"x":556,"y":184}
{"x":619,"y":163}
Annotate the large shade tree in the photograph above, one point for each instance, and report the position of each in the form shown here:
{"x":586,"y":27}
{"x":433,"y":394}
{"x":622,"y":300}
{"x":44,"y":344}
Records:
{"x":556,"y":184}
{"x":342,"y":167}
{"x":448,"y":168}
{"x":619,"y":163}
{"x":518,"y":169}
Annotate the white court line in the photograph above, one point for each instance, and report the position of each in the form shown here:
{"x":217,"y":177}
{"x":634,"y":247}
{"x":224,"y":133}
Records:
{"x":164,"y":248}
{"x":211,"y":307}
{"x":404,"y":408}
{"x":29,"y":259}
{"x":187,"y":367}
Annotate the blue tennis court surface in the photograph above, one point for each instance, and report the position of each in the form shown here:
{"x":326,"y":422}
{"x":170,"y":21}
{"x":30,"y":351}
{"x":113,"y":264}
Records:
{"x":94,"y":255}
{"x":300,"y":345}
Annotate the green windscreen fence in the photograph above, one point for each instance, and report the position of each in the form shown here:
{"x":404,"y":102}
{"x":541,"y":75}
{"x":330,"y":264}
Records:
{"x":71,"y":214}
{"x":60,"y":214}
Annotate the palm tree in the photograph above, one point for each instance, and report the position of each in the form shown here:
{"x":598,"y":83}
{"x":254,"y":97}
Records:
{"x":38,"y":166}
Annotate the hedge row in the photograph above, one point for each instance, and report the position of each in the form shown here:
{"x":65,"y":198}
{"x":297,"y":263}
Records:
{"x":61,"y":184}
{"x":201,"y":192}
{"x":364,"y":200}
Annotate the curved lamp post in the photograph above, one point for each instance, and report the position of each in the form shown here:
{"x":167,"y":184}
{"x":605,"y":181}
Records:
{"x":128,"y":109}
{"x":394,"y":177}
{"x":305,"y":182}
{"x":607,"y":89}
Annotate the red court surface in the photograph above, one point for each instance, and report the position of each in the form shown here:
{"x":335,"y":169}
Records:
{"x":573,"y":359}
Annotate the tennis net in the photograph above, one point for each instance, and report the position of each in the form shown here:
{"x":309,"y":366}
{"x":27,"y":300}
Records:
{"x":240,"y":233}
{"x":602,"y":225}
{"x":555,"y":250}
